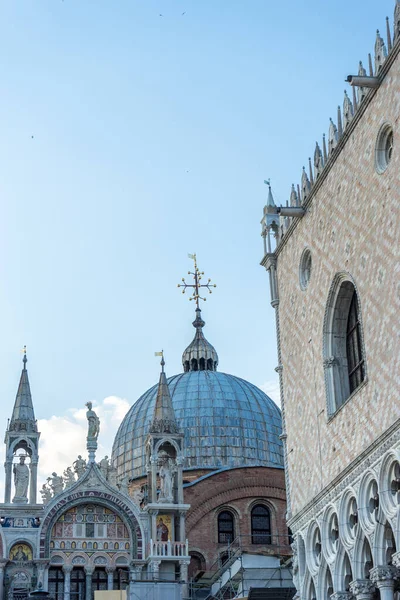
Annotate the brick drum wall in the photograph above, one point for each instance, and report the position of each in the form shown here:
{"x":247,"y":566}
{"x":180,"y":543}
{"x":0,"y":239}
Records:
{"x":350,"y":226}
{"x":238,"y":490}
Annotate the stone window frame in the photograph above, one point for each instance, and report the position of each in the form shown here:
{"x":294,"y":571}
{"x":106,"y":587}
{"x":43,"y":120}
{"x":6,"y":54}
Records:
{"x":337,"y":382}
{"x":229,"y":510}
{"x":269,"y":539}
{"x":382,"y":160}
{"x":305,"y":268}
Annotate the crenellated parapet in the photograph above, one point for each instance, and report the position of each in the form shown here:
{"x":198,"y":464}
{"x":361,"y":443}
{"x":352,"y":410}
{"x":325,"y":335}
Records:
{"x":279,"y":219}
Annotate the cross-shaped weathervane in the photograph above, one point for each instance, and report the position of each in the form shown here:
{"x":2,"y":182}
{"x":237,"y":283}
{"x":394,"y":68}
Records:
{"x":197,"y":276}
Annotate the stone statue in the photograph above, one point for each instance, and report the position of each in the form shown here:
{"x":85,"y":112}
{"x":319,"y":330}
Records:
{"x":45,"y":492}
{"x":69,"y":478}
{"x":104,"y":466}
{"x":21,"y":480}
{"x":79,"y":466}
{"x":165,"y":481}
{"x":93,"y":423}
{"x":57,"y":484}
{"x":123,"y":485}
{"x":112,"y":476}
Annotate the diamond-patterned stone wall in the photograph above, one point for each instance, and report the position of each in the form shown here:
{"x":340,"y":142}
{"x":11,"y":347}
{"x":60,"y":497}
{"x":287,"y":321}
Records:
{"x":352,"y":225}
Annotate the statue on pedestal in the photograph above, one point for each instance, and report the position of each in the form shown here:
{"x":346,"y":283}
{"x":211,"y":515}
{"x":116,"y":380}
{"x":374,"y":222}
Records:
{"x":21,"y":480}
{"x":93,"y":423}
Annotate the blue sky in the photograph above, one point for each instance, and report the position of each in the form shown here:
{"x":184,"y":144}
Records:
{"x":152,"y":136}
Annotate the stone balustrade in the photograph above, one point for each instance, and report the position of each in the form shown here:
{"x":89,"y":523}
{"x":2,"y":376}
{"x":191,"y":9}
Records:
{"x":169,"y":549}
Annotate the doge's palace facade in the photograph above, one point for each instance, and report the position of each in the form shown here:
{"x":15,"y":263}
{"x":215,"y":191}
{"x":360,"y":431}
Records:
{"x":332,"y":256}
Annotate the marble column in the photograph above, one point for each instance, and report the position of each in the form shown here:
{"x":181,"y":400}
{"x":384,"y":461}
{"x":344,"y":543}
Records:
{"x":110,"y":578}
{"x":46,"y":578}
{"x":153,"y":462}
{"x":2,"y":568}
{"x":182,"y":526}
{"x":363,"y":589}
{"x":67,"y":581}
{"x":153,"y":527}
{"x":179,"y":462}
{"x":155,"y":568}
{"x":7,"y":487}
{"x":184,"y":564}
{"x":89,"y":573}
{"x":33,"y":483}
{"x":383,"y":577}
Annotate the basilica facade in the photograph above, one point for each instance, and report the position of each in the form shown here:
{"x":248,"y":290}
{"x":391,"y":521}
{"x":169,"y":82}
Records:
{"x":191,"y":504}
{"x":332,"y":256}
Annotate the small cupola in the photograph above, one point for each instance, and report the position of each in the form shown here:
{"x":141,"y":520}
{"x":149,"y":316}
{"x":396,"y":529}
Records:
{"x":200,"y":355}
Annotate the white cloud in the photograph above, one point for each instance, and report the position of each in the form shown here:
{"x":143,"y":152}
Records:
{"x":271,"y":388}
{"x":64,"y":437}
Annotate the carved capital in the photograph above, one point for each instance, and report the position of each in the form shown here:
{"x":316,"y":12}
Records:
{"x":89,"y":571}
{"x":67,"y":568}
{"x":383,"y":575}
{"x":396,"y":559}
{"x":362,"y":588}
{"x":110,"y":570}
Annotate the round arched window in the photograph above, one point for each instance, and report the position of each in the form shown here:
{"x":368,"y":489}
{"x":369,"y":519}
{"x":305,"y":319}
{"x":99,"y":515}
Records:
{"x":305,"y":268}
{"x":260,"y":525}
{"x":225,"y":527}
{"x":384,"y":148}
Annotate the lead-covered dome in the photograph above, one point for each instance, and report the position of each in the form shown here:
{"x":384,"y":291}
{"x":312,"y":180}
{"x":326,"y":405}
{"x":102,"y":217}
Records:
{"x":227,"y":422}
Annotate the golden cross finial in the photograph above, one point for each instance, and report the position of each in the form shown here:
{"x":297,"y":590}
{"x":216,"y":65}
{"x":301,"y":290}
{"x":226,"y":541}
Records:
{"x":197,"y":276}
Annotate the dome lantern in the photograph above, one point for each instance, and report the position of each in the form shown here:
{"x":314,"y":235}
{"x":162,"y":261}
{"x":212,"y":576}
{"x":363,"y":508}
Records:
{"x":200,"y":355}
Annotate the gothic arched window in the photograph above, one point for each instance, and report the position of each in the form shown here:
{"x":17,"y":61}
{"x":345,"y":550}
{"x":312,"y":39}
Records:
{"x":260,"y":525}
{"x":344,"y":356}
{"x":226,"y":527}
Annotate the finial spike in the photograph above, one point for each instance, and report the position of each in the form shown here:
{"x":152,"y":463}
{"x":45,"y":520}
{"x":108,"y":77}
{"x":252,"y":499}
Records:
{"x":324,"y":148}
{"x":270,"y":200}
{"x":370,"y":67}
{"x":311,"y":171}
{"x":339,"y":118}
{"x":388,"y":35}
{"x":24,"y":360}
{"x":354,"y":98}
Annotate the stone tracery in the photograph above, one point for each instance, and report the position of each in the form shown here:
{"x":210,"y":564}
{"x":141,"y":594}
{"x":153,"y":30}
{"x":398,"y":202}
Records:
{"x":359,"y":539}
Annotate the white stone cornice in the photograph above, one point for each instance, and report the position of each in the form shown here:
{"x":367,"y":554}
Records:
{"x":349,"y":477}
